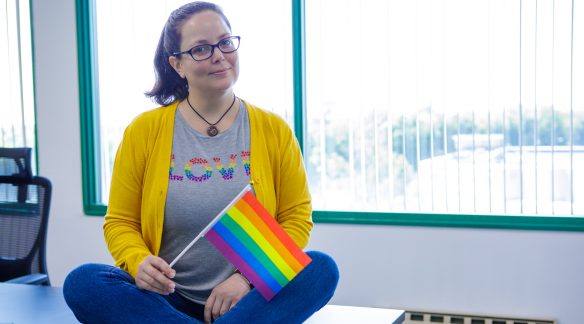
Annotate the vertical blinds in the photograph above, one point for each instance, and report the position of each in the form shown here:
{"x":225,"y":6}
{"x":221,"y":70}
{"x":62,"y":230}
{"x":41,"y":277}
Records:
{"x":457,"y":106}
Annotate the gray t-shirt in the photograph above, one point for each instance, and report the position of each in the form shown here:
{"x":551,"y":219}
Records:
{"x":206,"y":173}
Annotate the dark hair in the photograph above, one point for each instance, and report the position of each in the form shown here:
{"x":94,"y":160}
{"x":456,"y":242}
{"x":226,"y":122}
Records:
{"x":169,"y":86}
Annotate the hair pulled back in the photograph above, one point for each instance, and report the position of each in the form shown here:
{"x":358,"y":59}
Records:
{"x":169,"y":86}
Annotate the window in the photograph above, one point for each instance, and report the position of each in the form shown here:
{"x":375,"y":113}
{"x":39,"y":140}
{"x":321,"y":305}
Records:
{"x":450,"y":106}
{"x":441,"y":113}
{"x":122,"y":45}
{"x":17,"y":125}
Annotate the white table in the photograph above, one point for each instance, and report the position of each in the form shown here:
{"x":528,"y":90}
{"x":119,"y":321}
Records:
{"x":24,"y":304}
{"x":351,"y":314}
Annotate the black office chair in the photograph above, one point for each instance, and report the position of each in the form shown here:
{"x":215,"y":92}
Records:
{"x":24,"y":212}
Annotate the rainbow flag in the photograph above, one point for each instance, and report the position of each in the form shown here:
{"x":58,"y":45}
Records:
{"x":251,"y":239}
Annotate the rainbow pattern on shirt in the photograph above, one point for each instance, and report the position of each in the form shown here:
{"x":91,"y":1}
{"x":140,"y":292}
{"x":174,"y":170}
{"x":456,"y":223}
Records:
{"x":171,"y":175}
{"x":205,"y":176}
{"x":251,"y":239}
{"x":227,"y":174}
{"x":245,"y":159}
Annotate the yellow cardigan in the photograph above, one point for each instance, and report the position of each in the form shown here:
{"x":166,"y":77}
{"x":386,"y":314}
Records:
{"x":135,"y":214}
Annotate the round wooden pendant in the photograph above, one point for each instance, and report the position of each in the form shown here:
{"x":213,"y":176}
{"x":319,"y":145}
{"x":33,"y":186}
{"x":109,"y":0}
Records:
{"x":212,"y":131}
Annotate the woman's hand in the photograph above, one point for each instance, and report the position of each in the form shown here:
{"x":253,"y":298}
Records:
{"x":154,"y":274}
{"x":225,"y":296}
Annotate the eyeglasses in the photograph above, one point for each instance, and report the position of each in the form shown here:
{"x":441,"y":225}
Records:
{"x":202,"y":52}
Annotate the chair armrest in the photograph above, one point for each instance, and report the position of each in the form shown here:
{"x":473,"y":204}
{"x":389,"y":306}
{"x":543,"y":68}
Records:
{"x":31,"y":279}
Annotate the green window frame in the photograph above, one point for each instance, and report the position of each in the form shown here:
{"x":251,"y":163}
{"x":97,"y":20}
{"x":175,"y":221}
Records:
{"x":88,"y":102}
{"x":89,"y":140}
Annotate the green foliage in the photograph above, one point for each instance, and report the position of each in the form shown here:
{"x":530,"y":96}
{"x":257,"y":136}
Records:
{"x":365,"y":144}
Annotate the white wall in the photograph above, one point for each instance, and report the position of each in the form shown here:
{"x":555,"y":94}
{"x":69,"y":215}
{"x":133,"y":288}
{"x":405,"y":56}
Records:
{"x":535,"y":274}
{"x":73,"y":238}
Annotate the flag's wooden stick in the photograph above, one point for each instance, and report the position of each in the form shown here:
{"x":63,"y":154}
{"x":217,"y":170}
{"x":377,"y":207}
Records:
{"x":211,"y":224}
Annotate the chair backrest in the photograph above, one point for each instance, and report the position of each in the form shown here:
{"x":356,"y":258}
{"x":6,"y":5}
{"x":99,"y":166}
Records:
{"x":15,"y":161}
{"x":24,"y":211}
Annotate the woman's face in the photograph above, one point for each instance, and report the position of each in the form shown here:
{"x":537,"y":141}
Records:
{"x":215,"y":74}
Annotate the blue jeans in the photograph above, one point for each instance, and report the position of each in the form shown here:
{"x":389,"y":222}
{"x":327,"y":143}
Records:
{"x":99,"y":293}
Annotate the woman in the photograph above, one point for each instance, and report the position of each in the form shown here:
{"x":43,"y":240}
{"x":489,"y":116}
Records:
{"x":156,"y":207}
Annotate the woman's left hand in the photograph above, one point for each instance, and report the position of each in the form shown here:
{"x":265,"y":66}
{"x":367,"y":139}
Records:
{"x":225,"y":296}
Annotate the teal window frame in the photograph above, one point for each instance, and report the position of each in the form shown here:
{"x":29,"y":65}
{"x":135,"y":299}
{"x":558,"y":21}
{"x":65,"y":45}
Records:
{"x":90,"y":139}
{"x":88,"y":102}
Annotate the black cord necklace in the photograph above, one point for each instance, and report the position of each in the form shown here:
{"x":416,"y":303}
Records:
{"x":212,"y":130}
